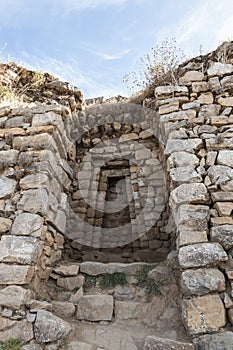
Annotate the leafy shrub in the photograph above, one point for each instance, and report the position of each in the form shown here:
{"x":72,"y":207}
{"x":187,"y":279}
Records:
{"x":157,"y":67}
{"x":112,"y":280}
{"x":150,"y":286}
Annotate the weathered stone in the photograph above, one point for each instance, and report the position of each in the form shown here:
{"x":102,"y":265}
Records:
{"x":202,"y":281}
{"x":70,"y":283}
{"x":227,"y":187}
{"x":220,"y":174}
{"x":49,"y":328}
{"x":95,"y":268}
{"x":224,"y":208}
{"x":77,"y":345}
{"x":201,"y":254}
{"x":206,"y":98}
{"x":40,"y":180}
{"x":181,"y":159}
{"x":34,"y":201}
{"x":192,"y":105}
{"x":95,"y":308}
{"x":37,"y":304}
{"x":63,"y":309}
{"x":16,"y":330}
{"x":168,"y":90}
{"x":222,"y":220}
{"x":184,"y":174}
{"x":128,"y":137}
{"x":192,"y":217}
{"x":191,"y":75}
{"x":204,"y":314}
{"x":15,"y":274}
{"x":67,"y":270}
{"x":200,"y":86}
{"x":209,"y":110}
{"x":225,"y":157}
{"x":14,"y":297}
{"x":226,"y":101}
{"x":227,"y":82}
{"x":222,"y":234}
{"x":177,"y":145}
{"x":8,"y":158}
{"x":32,"y":347}
{"x":75,"y":298}
{"x":219,"y":68}
{"x":169,"y":108}
{"x":17,"y":249}
{"x":222,"y":196}
{"x":156,"y":343}
{"x":219,"y":341}
{"x":7,"y":187}
{"x":191,"y":237}
{"x":5,"y":224}
{"x":188,"y":114}
{"x":27,"y":224}
{"x":195,"y":193}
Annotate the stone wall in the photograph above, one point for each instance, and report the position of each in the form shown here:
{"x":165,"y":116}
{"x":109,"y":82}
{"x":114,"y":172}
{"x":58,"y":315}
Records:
{"x":193,"y":124}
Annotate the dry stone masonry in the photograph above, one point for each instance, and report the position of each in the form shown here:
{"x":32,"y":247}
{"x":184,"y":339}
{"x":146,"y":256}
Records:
{"x":173,"y":151}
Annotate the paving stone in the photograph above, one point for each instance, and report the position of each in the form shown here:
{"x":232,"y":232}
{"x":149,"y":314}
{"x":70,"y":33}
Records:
{"x":95,"y":308}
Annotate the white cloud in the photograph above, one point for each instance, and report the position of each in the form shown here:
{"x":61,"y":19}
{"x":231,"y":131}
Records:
{"x":107,"y":56}
{"x":70,"y":71}
{"x":74,"y":5}
{"x":209,"y":24}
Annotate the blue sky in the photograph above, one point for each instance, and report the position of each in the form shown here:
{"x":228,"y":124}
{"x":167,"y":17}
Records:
{"x":94,"y":43}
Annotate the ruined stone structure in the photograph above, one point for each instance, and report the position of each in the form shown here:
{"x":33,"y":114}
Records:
{"x":170,"y":159}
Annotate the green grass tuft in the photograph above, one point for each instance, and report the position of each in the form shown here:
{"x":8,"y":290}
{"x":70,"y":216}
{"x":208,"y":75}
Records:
{"x":150,"y":286}
{"x":13,"y":344}
{"x":112,"y":280}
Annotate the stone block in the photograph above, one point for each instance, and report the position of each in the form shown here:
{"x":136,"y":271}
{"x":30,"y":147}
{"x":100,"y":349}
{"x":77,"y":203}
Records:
{"x":206,"y":98}
{"x":226,"y":101}
{"x":222,"y":234}
{"x":177,"y":145}
{"x":191,"y":75}
{"x":34,"y":201}
{"x":95,"y":308}
{"x":5,"y":225}
{"x":201,"y":254}
{"x":202,"y":281}
{"x":49,"y":328}
{"x":40,"y":180}
{"x":77,"y":345}
{"x":7,"y":187}
{"x":218,"y":341}
{"x":192,"y":217}
{"x":219,"y":69}
{"x":191,"y":237}
{"x":182,"y":159}
{"x":200,"y":86}
{"x":22,"y":250}
{"x":16,"y":330}
{"x":27,"y":224}
{"x":15,"y":274}
{"x":195,"y":193}
{"x":204,"y":314}
{"x":168,"y":90}
{"x":70,"y":283}
{"x":157,"y":343}
{"x":225,"y":157}
{"x":63,"y":309}
{"x":67,"y":270}
{"x":184,"y":175}
{"x":14,"y":297}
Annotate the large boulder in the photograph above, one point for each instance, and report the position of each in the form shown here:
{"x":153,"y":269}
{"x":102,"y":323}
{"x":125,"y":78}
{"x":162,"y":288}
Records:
{"x":49,"y":328}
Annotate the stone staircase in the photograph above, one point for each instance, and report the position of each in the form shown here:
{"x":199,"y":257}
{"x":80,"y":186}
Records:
{"x":118,"y":317}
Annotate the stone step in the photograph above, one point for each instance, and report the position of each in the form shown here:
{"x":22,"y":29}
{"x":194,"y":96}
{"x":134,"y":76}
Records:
{"x":156,"y":343}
